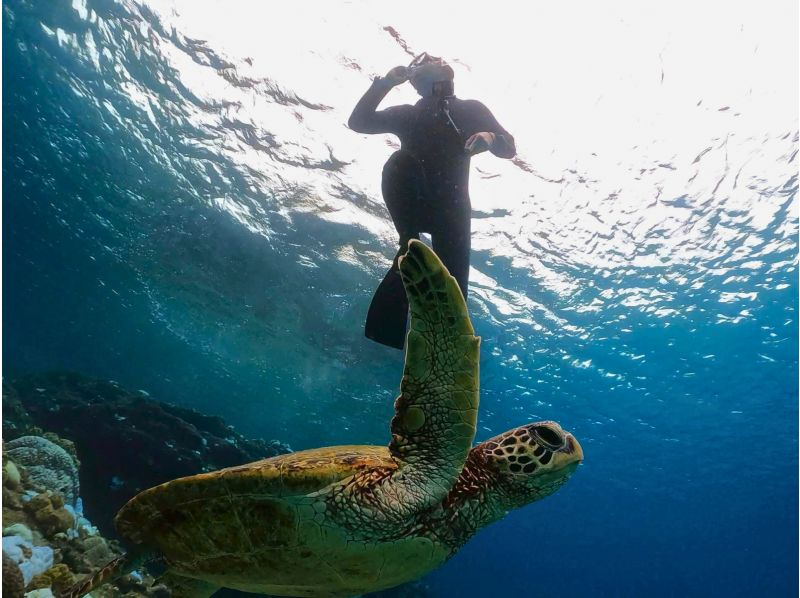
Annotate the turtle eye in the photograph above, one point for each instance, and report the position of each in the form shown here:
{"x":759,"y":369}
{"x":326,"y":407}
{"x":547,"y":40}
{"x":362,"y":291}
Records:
{"x":549,"y":437}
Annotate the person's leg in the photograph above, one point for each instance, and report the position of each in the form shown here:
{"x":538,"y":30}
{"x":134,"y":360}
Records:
{"x":402,"y":187}
{"x":451,"y":242}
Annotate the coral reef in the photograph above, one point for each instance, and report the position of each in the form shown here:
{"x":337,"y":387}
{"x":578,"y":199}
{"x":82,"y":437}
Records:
{"x":126,"y":441}
{"x":19,"y":529}
{"x":31,"y":560}
{"x":48,"y":512}
{"x":48,"y":545}
{"x":11,"y":472}
{"x":58,"y":578}
{"x":13,"y":582}
{"x":48,"y":465}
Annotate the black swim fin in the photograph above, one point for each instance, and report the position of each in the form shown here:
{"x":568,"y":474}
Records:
{"x":387,"y":317}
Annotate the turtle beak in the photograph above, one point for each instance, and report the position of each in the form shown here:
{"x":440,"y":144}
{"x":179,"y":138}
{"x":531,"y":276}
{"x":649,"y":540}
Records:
{"x":573,"y":446}
{"x":570,"y":453}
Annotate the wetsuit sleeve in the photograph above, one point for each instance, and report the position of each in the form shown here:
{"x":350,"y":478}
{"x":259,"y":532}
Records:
{"x":367,"y":119}
{"x":483,"y":120}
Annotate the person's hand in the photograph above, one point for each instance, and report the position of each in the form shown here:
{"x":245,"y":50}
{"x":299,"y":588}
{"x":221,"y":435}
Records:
{"x":396,"y":76}
{"x":479,"y":142}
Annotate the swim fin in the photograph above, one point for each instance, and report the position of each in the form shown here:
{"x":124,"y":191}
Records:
{"x":387,"y":318}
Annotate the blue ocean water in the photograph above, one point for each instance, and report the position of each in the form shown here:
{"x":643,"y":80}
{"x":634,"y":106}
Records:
{"x":165,"y":227}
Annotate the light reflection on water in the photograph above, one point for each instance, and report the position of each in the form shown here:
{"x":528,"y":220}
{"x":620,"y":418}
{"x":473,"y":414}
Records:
{"x":634,"y":273}
{"x":590,"y":246}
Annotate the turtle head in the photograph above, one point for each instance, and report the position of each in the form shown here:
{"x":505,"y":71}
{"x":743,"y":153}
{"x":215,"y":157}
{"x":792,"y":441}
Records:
{"x":532,"y":461}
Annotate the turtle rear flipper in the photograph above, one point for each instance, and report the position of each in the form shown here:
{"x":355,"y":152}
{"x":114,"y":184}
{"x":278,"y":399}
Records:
{"x":186,"y":587}
{"x":436,"y":412}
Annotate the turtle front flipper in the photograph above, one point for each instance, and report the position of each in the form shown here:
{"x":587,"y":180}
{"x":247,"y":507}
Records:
{"x":435,"y":414}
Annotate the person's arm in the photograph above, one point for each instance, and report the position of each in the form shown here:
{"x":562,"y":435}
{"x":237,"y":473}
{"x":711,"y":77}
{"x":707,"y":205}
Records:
{"x":490,"y":134}
{"x":366,"y":118}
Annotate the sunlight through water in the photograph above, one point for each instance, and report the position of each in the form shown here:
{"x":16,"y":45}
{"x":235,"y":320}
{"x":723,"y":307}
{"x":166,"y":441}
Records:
{"x":193,"y":216}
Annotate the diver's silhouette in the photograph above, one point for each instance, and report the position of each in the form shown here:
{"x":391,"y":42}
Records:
{"x":425,"y":183}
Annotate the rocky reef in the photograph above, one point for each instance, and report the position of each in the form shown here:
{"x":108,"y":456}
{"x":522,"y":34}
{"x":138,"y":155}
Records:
{"x":71,"y":441}
{"x":125,"y":441}
{"x":48,"y":544}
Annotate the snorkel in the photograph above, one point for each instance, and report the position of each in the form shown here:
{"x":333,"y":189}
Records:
{"x":433,"y":77}
{"x":430,"y":76}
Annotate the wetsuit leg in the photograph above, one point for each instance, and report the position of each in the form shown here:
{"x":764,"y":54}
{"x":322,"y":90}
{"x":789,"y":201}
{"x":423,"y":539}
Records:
{"x":403,"y":187}
{"x":451,"y":242}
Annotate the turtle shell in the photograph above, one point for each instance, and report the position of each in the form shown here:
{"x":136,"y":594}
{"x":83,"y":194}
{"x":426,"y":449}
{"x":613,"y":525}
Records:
{"x":259,"y":527}
{"x":150,"y":514}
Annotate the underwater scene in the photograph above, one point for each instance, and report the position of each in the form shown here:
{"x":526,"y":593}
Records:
{"x":249,"y":249}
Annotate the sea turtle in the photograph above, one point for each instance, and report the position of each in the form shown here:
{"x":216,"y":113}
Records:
{"x":346,"y":520}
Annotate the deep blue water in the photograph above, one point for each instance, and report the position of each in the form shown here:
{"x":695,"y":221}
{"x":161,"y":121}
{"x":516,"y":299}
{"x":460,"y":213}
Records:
{"x":138,"y":246}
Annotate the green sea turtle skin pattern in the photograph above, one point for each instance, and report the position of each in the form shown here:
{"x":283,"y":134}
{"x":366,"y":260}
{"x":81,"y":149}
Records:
{"x":344,"y":520}
{"x":435,"y":414}
{"x":265,"y":527}
{"x":347,"y":520}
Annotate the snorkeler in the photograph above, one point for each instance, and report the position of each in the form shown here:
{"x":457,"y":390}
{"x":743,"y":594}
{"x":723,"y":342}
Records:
{"x":425,"y":182}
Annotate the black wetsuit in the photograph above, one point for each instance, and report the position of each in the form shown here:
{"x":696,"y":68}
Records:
{"x":426,"y":188}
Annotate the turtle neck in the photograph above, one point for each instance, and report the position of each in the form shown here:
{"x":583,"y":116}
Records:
{"x":479,"y":497}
